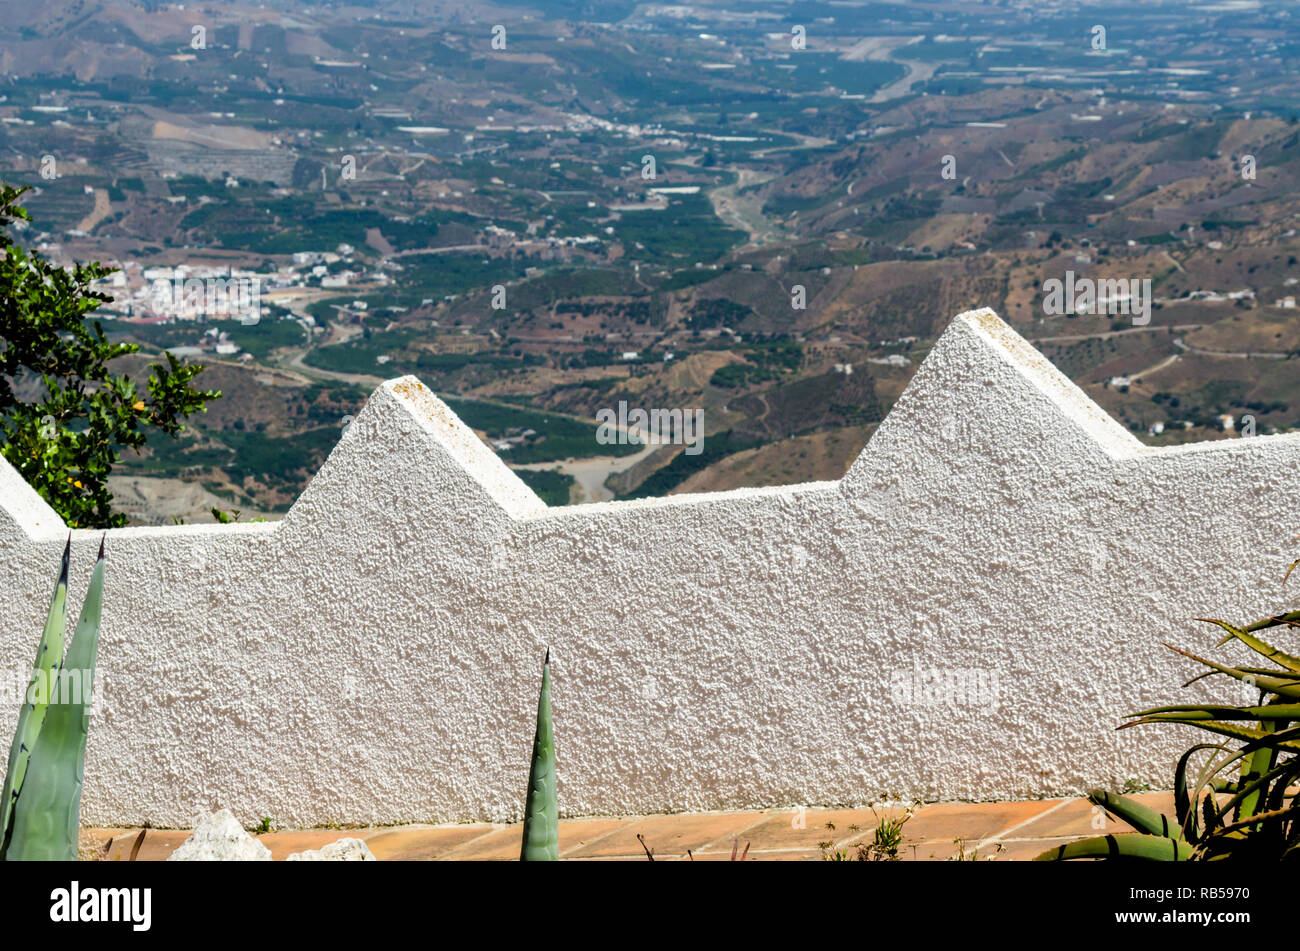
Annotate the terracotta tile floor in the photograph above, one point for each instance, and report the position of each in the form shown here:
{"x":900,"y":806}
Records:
{"x":1022,"y":829}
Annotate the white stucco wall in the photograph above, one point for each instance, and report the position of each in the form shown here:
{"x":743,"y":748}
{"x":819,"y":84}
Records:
{"x":374,"y":657}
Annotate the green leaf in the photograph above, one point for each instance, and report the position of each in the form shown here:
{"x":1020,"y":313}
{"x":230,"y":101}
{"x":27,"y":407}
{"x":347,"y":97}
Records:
{"x":1283,"y":687}
{"x":1265,"y":738}
{"x":1188,"y":818}
{"x":31,"y":717}
{"x":1274,"y":621}
{"x":1208,"y":711}
{"x":541,"y":811}
{"x":47,"y":814}
{"x":1285,"y":772}
{"x":1258,"y":645}
{"x":1140,"y":817}
{"x":1143,"y":848}
{"x":1253,"y":771}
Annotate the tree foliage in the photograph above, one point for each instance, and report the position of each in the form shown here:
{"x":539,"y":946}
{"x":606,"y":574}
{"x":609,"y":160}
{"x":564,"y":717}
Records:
{"x":64,"y":416}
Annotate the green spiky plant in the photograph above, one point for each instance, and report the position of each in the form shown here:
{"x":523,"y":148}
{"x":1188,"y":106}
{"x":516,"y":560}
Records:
{"x":1239,"y":804}
{"x":886,"y":838}
{"x":40,"y":812}
{"x":541,"y":811}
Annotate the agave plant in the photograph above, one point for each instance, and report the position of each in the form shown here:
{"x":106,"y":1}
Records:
{"x":541,"y":810}
{"x":1238,"y":804}
{"x":40,"y":807}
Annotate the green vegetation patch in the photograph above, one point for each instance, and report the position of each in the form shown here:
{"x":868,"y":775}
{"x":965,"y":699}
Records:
{"x":683,"y":466}
{"x":686,"y":231}
{"x":552,"y":487}
{"x":558,"y":437}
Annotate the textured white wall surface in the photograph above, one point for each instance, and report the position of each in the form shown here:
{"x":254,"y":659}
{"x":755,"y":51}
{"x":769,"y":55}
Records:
{"x":966,"y":614}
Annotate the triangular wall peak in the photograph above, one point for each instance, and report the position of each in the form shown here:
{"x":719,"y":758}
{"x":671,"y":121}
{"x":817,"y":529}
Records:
{"x":407,"y":447}
{"x":984,"y":393}
{"x":24,"y":515}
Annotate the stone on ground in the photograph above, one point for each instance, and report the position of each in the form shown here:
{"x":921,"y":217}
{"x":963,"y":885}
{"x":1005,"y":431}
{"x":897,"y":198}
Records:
{"x":344,"y":850}
{"x":220,"y":838}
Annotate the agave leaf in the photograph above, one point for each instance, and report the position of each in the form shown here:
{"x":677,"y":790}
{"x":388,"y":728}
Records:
{"x":1252,"y":771}
{"x":1207,"y":711}
{"x":1143,"y":848}
{"x":1271,"y":683}
{"x":1211,"y":816}
{"x":1241,"y":825}
{"x":1267,"y":672}
{"x":1277,"y":778}
{"x":31,"y":717}
{"x":1222,"y":846}
{"x":1273,"y":738}
{"x":1188,"y":819}
{"x":1258,"y":645}
{"x":1255,"y":672}
{"x":1260,"y":738}
{"x":1140,"y":817}
{"x":47,"y":814}
{"x":541,"y":811}
{"x":1277,"y":792}
{"x":1282,"y":786}
{"x":1277,"y":619}
{"x":1265,"y":738}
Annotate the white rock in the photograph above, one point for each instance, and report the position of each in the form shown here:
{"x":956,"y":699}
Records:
{"x":344,"y":850}
{"x":220,"y":838}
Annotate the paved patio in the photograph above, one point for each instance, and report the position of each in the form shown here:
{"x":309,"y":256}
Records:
{"x":1004,"y":831}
